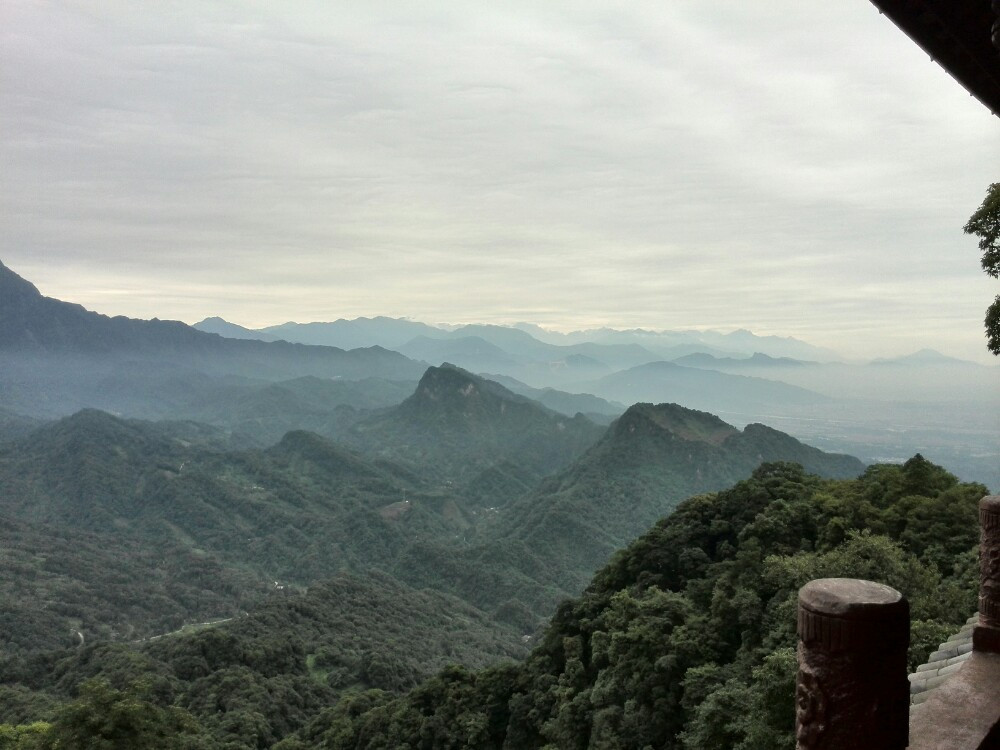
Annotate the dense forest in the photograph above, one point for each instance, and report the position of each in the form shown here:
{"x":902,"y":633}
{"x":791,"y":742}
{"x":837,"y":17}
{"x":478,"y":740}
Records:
{"x":242,"y":544}
{"x":683,"y":640}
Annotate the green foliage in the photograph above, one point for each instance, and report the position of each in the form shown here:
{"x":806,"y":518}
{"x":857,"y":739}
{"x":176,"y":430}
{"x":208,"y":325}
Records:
{"x":985,"y":224}
{"x":116,"y":529}
{"x":256,"y":679}
{"x":23,"y":736}
{"x":686,"y":639}
{"x":103,"y":718}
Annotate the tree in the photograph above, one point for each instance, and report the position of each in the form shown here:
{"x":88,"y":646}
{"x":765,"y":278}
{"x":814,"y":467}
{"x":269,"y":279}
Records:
{"x":103,"y":718}
{"x":985,"y":224}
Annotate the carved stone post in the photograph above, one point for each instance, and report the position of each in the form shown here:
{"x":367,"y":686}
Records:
{"x":986,"y":635}
{"x":852,"y":690}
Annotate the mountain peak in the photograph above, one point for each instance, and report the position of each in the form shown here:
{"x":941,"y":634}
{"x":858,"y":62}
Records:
{"x":451,"y":387}
{"x":462,"y":424}
{"x":687,"y":424}
{"x":13,"y":288}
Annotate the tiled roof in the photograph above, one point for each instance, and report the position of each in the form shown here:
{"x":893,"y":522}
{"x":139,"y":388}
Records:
{"x":964,"y":38}
{"x":941,"y":664}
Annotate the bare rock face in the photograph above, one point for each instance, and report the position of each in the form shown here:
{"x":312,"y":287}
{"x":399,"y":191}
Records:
{"x":852,"y":690}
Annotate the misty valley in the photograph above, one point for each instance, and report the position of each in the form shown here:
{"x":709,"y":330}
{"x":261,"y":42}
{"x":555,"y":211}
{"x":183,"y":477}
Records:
{"x":380,"y":533}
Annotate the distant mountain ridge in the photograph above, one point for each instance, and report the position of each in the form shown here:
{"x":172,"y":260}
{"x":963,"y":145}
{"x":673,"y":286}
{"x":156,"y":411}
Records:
{"x":624,"y":348}
{"x":33,"y":324}
{"x":229,"y":330}
{"x":757,"y":359}
{"x":57,"y":357}
{"x":697,"y":388}
{"x":924,"y":357}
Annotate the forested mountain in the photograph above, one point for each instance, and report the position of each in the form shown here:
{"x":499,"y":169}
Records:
{"x":256,"y":677}
{"x":264,"y":412}
{"x":180,"y":514}
{"x":458,"y":425}
{"x":686,"y":639}
{"x":551,"y":540}
{"x":14,"y":425}
{"x":313,"y":532}
{"x":307,"y":508}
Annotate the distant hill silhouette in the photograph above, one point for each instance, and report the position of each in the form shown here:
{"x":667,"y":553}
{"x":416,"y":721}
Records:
{"x":699,"y":388}
{"x":231,"y":330}
{"x":56,"y":357}
{"x":352,"y":334}
{"x":757,"y":360}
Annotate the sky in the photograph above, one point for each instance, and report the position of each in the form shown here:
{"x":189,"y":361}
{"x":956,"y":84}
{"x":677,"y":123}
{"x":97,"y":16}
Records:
{"x":792,"y":167}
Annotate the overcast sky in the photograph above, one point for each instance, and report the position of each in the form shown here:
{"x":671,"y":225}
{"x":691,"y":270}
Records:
{"x":795,"y":167}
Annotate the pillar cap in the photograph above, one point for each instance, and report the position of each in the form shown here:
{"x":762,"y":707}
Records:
{"x":852,"y":599}
{"x":990,"y":504}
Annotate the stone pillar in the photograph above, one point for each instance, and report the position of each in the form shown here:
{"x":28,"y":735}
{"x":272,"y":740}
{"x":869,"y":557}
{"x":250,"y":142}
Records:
{"x":986,"y":635}
{"x":852,"y":690}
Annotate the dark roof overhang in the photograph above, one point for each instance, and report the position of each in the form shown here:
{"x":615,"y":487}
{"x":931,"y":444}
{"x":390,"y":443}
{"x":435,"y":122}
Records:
{"x":962,"y":36}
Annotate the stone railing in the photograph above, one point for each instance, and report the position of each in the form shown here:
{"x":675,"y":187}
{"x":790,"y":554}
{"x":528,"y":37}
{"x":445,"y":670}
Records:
{"x":852,"y":690}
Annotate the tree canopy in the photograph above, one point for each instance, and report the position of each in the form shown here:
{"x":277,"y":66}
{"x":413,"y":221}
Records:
{"x":985,"y":224}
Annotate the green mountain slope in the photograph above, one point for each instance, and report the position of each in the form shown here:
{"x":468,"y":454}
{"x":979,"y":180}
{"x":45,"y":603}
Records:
{"x":686,"y":639}
{"x":169,"y":502}
{"x":545,"y":545}
{"x":259,"y":676}
{"x":650,"y":459}
{"x":458,"y":425}
{"x":62,"y":587}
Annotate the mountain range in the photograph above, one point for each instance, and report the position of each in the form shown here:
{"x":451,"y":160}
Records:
{"x":56,"y":357}
{"x":293,"y":545}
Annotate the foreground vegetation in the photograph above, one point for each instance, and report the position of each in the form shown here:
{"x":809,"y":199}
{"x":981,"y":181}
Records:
{"x":684,"y":640}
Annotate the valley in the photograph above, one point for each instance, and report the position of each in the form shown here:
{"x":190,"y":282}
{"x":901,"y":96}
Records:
{"x":315,"y":534}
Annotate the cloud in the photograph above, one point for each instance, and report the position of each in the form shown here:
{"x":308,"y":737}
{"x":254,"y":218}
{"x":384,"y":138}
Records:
{"x":684,"y":164}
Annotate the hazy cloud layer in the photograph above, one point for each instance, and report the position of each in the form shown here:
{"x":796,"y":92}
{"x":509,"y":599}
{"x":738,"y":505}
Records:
{"x":792,"y":167}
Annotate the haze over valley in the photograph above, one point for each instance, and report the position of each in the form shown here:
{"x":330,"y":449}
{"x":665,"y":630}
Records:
{"x":273,"y":510}
{"x":262,"y":498}
{"x":380,"y":376}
